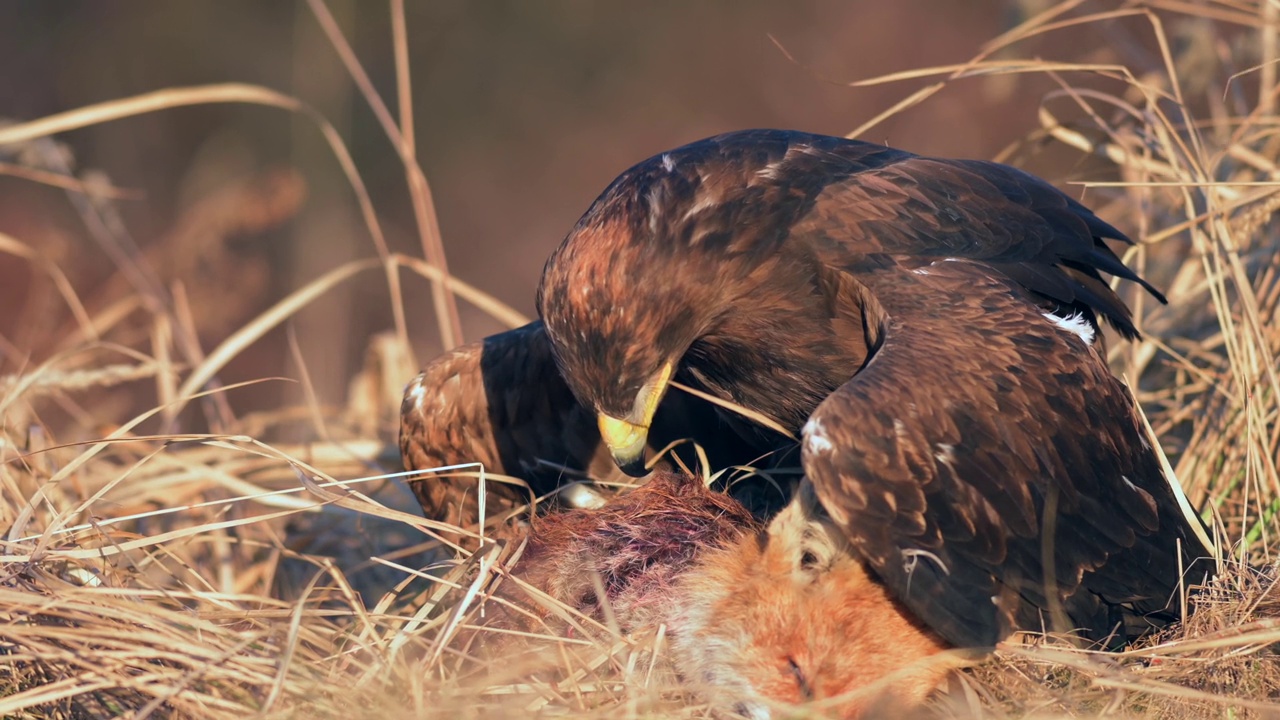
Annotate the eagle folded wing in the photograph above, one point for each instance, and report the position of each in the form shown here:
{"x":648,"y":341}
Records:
{"x":499,"y":402}
{"x":993,"y":471}
{"x":985,"y":459}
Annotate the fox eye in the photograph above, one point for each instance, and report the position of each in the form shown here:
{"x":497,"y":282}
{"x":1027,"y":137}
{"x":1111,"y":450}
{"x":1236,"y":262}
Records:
{"x":809,"y":560}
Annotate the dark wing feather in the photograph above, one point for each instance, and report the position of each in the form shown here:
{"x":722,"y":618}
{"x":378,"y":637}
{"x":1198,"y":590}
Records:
{"x":919,"y":210}
{"x":503,"y":403}
{"x":992,"y":470}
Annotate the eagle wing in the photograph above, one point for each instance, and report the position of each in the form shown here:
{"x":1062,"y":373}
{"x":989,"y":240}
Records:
{"x":499,"y":402}
{"x":984,"y":459}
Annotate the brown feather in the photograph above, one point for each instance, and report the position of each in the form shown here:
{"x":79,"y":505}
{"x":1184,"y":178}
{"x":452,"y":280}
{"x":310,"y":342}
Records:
{"x":947,"y":496}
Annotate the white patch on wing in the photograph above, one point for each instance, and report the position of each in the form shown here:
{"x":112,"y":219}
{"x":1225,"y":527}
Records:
{"x":1076,"y":324}
{"x":946,"y":453}
{"x":815,"y":437}
{"x":668,"y":163}
{"x":416,"y":391}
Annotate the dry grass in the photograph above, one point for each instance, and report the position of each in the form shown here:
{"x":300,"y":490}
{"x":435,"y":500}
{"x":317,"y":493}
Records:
{"x":148,"y":572}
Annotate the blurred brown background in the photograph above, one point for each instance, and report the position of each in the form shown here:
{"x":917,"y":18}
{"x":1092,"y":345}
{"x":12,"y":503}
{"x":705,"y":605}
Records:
{"x":524,"y":112}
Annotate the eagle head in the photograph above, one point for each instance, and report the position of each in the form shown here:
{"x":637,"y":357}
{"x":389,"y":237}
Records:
{"x":681,"y":269}
{"x":618,"y":329}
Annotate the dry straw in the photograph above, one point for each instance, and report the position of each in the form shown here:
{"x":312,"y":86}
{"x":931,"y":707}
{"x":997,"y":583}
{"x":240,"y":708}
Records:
{"x":218,"y":576}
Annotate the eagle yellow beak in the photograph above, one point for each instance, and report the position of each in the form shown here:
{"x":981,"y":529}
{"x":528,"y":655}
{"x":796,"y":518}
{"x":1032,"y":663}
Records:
{"x":626,"y":438}
{"x":626,"y":443}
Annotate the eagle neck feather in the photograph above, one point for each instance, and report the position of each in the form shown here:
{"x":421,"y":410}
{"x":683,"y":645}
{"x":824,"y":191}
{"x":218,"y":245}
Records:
{"x":780,"y":352}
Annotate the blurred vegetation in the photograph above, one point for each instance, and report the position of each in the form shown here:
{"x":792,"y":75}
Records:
{"x":524,"y":111}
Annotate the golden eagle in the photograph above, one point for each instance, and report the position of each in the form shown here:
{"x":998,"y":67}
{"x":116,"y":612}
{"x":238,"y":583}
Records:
{"x":928,"y":329}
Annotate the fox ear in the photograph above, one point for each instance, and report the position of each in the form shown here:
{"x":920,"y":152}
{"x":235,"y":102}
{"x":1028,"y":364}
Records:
{"x":809,"y":539}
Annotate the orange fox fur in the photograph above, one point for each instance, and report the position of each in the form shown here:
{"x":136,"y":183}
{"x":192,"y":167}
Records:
{"x":791,"y":616}
{"x":757,"y":618}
